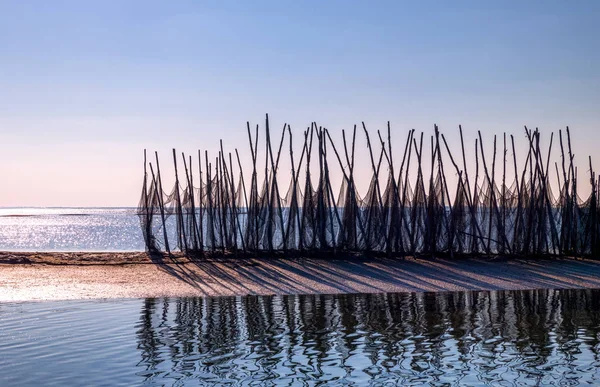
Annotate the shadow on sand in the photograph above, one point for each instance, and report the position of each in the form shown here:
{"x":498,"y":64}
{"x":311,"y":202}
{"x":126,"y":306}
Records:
{"x":241,"y":276}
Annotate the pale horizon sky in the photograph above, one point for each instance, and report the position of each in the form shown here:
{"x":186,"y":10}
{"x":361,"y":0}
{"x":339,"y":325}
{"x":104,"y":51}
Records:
{"x":85,"y":86}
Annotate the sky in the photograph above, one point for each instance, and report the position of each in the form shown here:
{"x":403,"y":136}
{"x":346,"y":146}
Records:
{"x":86,"y":86}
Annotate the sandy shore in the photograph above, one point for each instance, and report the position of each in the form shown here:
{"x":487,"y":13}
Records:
{"x":58,"y":276}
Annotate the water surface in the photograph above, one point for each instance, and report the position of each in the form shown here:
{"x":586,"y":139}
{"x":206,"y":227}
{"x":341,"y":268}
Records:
{"x":70,"y":229}
{"x":502,"y":338}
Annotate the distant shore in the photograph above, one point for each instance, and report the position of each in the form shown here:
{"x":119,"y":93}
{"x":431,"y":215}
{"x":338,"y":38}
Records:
{"x":86,"y":275}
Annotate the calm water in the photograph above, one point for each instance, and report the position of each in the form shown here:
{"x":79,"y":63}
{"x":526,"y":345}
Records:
{"x":506,"y":338}
{"x":70,"y":229}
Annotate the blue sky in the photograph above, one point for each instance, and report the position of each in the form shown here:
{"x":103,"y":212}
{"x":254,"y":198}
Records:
{"x":85,"y":86}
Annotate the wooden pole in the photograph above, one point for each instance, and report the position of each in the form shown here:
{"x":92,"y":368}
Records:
{"x":161,"y":203}
{"x":201,"y":203}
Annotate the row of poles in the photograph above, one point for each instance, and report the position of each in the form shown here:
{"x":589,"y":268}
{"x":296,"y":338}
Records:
{"x":400,"y":215}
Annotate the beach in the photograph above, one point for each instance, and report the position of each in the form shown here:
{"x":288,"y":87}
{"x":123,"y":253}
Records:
{"x":63,"y":276}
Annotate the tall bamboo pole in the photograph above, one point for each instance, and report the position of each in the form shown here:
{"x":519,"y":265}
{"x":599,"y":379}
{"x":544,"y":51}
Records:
{"x":161,"y":203}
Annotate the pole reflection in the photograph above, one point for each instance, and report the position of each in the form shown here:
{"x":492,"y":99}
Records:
{"x":458,"y":338}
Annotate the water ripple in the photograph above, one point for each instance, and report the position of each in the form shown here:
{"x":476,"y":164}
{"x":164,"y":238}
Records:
{"x":511,"y":338}
{"x":70,"y":229}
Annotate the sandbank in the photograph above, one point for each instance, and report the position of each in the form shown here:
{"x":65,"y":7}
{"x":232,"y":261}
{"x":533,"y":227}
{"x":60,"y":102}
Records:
{"x":62,"y":276}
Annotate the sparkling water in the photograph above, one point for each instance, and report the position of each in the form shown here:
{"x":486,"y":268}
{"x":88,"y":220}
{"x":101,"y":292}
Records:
{"x":499,"y":338}
{"x":70,"y":229}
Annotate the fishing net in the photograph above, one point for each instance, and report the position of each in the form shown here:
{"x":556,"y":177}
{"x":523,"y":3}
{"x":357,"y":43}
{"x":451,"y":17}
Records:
{"x":212,"y":211}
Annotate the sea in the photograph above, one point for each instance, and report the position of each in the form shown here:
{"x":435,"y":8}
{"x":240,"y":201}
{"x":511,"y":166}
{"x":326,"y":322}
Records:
{"x":483,"y":338}
{"x":70,"y":229}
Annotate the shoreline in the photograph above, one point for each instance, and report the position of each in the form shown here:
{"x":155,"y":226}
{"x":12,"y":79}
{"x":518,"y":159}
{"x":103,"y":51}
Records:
{"x":29,"y":276}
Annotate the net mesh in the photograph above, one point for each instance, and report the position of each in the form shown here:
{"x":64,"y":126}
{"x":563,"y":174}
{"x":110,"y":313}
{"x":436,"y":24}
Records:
{"x":400,"y":215}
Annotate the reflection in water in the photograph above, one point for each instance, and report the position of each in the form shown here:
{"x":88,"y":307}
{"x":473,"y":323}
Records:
{"x":544,"y":337}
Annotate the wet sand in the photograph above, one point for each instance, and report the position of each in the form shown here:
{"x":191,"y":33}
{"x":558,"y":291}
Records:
{"x":59,"y":276}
